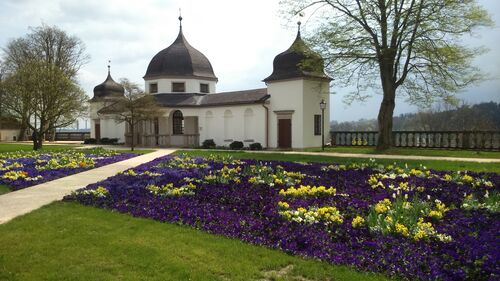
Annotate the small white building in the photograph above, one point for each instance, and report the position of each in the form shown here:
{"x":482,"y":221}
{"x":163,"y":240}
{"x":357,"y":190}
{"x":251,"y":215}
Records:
{"x":285,"y":114}
{"x":9,"y":129}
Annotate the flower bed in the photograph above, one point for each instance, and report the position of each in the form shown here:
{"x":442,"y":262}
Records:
{"x":23,"y":169}
{"x":410,"y":223}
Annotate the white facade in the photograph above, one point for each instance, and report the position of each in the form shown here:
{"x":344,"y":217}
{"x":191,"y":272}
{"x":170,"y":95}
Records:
{"x":288,"y":116}
{"x":9,"y":134}
{"x":191,"y":85}
{"x":298,"y":100}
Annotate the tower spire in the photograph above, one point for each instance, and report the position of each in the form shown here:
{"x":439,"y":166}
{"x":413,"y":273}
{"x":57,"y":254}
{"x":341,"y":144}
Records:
{"x":180,"y":19}
{"x":109,"y":67}
{"x":299,"y":23}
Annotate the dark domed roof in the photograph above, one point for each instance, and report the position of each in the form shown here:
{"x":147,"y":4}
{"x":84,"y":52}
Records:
{"x":108,"y":88}
{"x":180,"y":59}
{"x":298,"y":61}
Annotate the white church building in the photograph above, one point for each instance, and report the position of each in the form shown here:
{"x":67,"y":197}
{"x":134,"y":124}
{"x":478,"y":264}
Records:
{"x":284,"y":114}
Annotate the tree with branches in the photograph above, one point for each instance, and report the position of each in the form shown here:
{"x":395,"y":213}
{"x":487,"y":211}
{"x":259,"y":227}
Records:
{"x":54,"y":53}
{"x":407,"y":48}
{"x":135,"y":107}
{"x":44,"y":98}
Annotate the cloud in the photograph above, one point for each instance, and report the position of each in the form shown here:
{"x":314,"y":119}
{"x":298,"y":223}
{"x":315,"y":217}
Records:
{"x":240,"y":38}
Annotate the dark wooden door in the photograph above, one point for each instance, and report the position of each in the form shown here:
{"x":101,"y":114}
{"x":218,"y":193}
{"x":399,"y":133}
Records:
{"x":284,"y":133}
{"x":97,"y":131}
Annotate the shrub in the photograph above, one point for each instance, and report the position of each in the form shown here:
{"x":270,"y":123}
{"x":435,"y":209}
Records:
{"x":90,"y":141}
{"x":208,"y":144}
{"x":236,"y":145}
{"x":108,"y":141}
{"x":255,"y":146}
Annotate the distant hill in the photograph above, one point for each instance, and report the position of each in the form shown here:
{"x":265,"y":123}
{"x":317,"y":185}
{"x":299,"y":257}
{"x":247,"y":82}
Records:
{"x":482,"y":116}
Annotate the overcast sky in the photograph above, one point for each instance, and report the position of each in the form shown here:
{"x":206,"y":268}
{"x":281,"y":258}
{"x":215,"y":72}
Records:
{"x":240,"y":38}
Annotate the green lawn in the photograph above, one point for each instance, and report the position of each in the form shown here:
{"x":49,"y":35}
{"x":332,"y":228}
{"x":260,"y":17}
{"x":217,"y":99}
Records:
{"x":413,"y":151}
{"x":68,"y":241}
{"x":4,"y":189}
{"x":438,"y":165}
{"x":10,"y":147}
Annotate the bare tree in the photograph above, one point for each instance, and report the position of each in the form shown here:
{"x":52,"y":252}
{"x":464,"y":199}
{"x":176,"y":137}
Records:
{"x":44,"y":98}
{"x":47,"y":45}
{"x":133,"y":108}
{"x":411,"y":47}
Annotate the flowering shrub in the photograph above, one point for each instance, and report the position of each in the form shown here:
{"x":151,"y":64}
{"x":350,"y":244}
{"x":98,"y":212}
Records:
{"x":416,"y":224}
{"x":22,"y":169}
{"x":406,"y":218}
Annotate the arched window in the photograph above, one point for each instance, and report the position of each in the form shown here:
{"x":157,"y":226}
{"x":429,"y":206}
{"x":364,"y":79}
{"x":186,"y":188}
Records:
{"x":249,"y":124}
{"x":228,"y":118}
{"x":177,"y":123}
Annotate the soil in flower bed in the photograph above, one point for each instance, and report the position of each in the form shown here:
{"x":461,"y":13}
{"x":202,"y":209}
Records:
{"x":409,"y":223}
{"x":19,"y":170}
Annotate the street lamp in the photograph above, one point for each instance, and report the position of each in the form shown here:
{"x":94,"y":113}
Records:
{"x":322,"y":105}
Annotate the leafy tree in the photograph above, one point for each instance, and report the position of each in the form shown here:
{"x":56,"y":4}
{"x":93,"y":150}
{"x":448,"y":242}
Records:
{"x":406,"y":48}
{"x":133,"y":108}
{"x":43,"y":97}
{"x":43,"y":45}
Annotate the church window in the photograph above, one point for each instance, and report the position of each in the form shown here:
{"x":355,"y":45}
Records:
{"x":317,"y":125}
{"x":178,"y":87}
{"x":177,"y":123}
{"x":153,"y":88}
{"x":203,"y":88}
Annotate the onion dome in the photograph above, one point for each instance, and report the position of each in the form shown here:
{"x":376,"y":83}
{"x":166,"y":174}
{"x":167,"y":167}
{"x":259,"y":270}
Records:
{"x":297,"y":62}
{"x":180,"y":59}
{"x":108,"y":89}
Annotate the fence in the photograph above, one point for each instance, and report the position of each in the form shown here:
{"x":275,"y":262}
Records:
{"x":72,"y":136}
{"x":483,"y":140}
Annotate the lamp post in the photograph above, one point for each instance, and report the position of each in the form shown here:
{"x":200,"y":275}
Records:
{"x":322,"y":106}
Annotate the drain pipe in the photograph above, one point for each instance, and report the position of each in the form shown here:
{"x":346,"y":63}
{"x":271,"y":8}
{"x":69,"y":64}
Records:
{"x":267,"y":124}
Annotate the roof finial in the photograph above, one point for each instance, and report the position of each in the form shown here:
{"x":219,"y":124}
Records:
{"x":109,"y":67}
{"x":301,"y":14}
{"x":180,"y":19}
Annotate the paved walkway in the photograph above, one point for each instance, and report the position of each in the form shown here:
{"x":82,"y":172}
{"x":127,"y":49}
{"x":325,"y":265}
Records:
{"x":403,"y":157}
{"x":23,"y":201}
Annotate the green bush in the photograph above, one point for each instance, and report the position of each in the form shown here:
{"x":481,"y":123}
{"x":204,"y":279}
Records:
{"x":236,"y":145}
{"x":90,"y":141}
{"x":108,"y":141}
{"x":208,"y":144}
{"x":255,"y":146}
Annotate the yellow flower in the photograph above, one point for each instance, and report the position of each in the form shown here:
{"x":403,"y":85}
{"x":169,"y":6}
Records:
{"x":419,"y":234}
{"x":402,"y":229}
{"x":301,"y":210}
{"x":467,"y":178}
{"x":381,"y":208}
{"x":389,"y":220}
{"x":358,"y":221}
{"x":403,"y":185}
{"x":283,"y":205}
{"x":436,"y":214}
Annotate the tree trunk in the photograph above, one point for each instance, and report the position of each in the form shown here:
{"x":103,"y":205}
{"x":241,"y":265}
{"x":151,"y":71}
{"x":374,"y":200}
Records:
{"x":132,"y":131}
{"x":385,"y":123}
{"x":388,"y":103}
{"x":37,"y":140}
